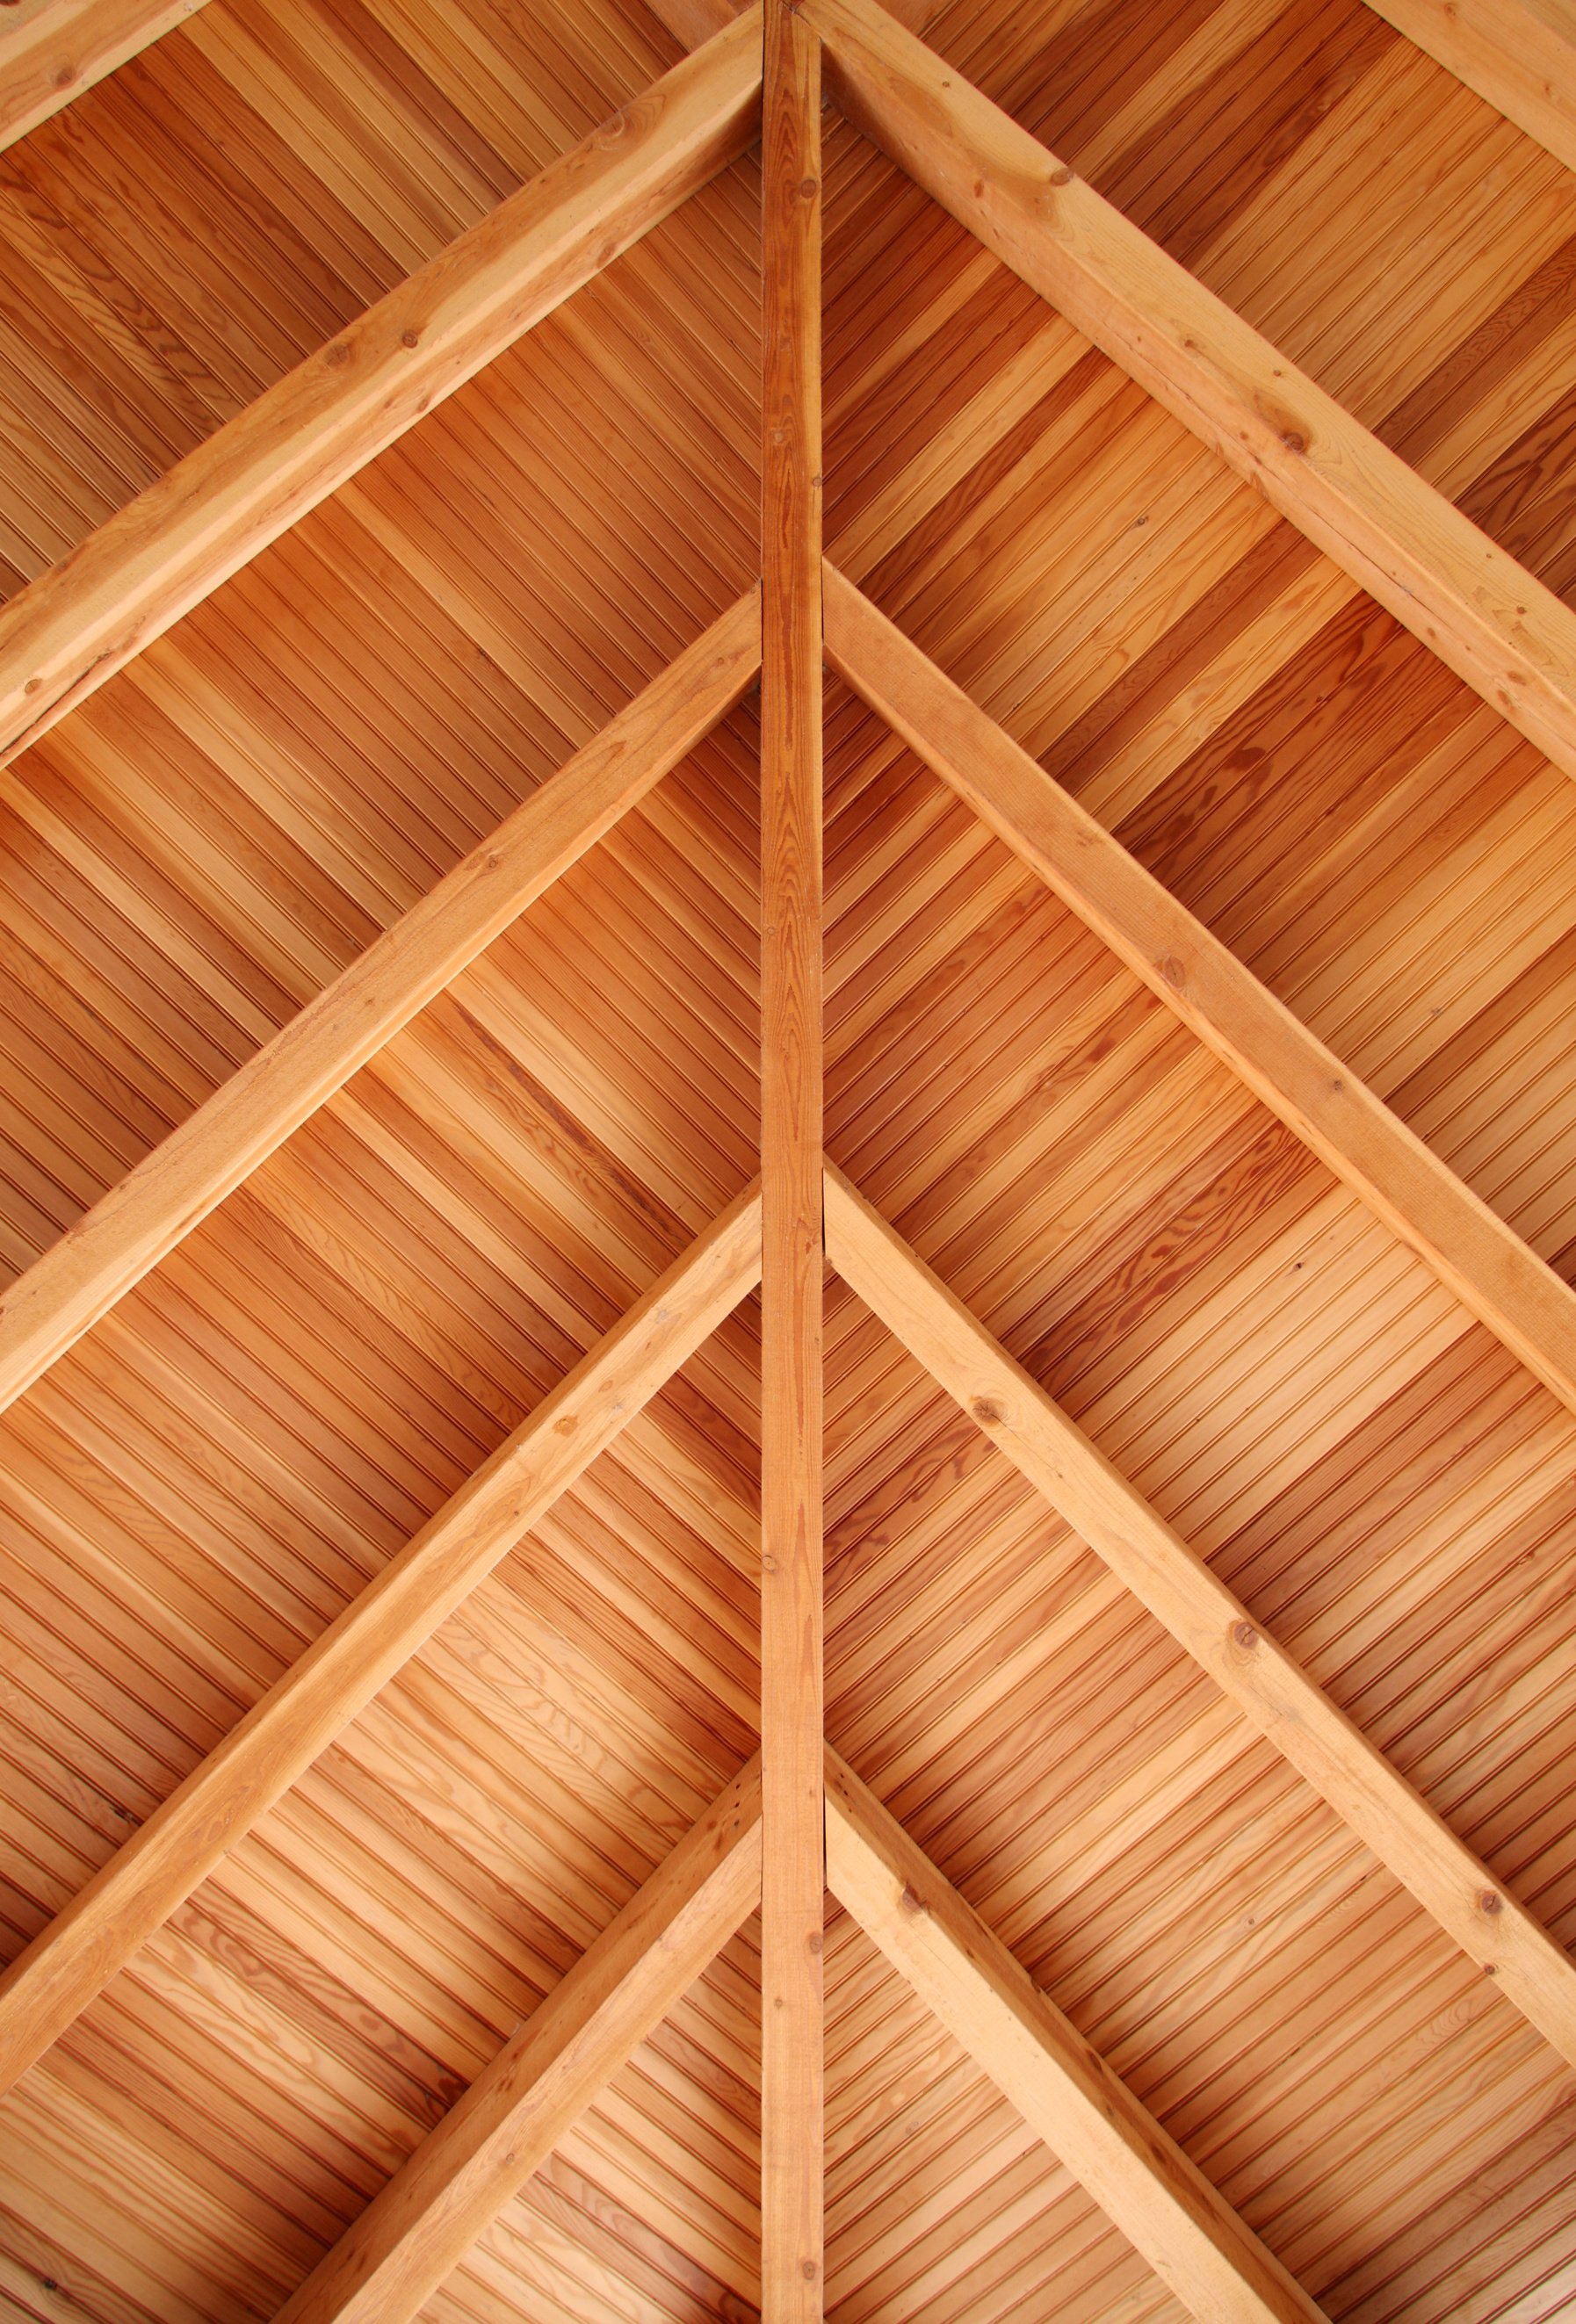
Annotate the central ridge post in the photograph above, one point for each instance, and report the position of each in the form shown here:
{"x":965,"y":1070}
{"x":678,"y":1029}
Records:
{"x":793,"y":1817}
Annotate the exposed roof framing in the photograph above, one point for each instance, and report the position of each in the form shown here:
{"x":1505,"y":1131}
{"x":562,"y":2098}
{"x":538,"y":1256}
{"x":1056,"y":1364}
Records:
{"x":517,"y":2110}
{"x":793,"y":1252}
{"x":300,"y":441}
{"x":137,"y":1890}
{"x":319,"y":1051}
{"x":1521,"y":56}
{"x":870,"y":1297}
{"x":56,"y":49}
{"x":1193,"y":2240}
{"x":1179,"y":1589}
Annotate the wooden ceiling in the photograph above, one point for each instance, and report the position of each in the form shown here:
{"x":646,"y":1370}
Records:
{"x":1132,"y":1054}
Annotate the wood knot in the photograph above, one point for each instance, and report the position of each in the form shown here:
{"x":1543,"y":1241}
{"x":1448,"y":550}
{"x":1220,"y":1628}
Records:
{"x":987,"y":1414}
{"x":1293,"y":439}
{"x":1490,"y":1902}
{"x":1244,"y":1634}
{"x":1061,"y":176}
{"x":1173,"y":971}
{"x":910,"y":1901}
{"x":409,"y":338}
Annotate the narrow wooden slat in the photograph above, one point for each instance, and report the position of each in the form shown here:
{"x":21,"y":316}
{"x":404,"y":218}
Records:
{"x":1503,"y":632}
{"x":1519,"y":55}
{"x":1151,"y":1559}
{"x":137,"y":1223}
{"x":792,"y":1250}
{"x":1471,"y":1249}
{"x":1039,"y":2061}
{"x":178,"y":540}
{"x":52,"y":49}
{"x":82,"y":1950}
{"x":384,"y":2268}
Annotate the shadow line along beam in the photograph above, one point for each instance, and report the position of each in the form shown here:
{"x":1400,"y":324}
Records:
{"x":1519,"y":55}
{"x":72,"y":1959}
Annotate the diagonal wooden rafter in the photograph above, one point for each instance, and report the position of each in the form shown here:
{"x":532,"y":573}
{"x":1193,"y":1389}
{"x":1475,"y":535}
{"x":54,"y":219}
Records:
{"x":1062,"y":2088}
{"x":53,"y":49}
{"x":387,"y":2265}
{"x":175,"y":1187}
{"x":149,"y":564}
{"x":793,"y":1889}
{"x":399,"y":2252}
{"x":1152,"y":1559}
{"x":1479,"y":1258}
{"x":1519,"y":55}
{"x":74,"y":1957}
{"x":1499,"y":628}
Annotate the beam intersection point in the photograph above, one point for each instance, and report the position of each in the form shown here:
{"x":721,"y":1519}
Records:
{"x":795,"y":1822}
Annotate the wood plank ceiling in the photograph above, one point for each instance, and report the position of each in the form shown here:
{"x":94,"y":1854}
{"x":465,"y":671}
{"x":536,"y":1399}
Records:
{"x":475,"y":1309}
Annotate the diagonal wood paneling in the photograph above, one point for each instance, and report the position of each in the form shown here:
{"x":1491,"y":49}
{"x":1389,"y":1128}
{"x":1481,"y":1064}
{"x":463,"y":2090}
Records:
{"x":191,"y":856}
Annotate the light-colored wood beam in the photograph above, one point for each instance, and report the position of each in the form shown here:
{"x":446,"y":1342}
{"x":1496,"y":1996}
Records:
{"x":75,"y":626}
{"x":50,"y":51}
{"x":1040,"y":2062}
{"x":1500,"y":630}
{"x":793,"y":1893}
{"x":1471,"y":1250}
{"x":386,"y":2266}
{"x":694,"y":21}
{"x":75,"y":1956}
{"x":1152,"y":1559}
{"x":1519,"y":55}
{"x":80,"y":1279}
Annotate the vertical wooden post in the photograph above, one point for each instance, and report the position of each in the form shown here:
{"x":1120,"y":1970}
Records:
{"x":793,"y":1826}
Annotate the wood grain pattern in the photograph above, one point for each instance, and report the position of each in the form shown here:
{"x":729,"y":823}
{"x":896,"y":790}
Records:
{"x":300,"y":441}
{"x":179,"y":1843}
{"x":218,"y":1467}
{"x":1530,"y":1968}
{"x":528,"y":2098}
{"x":134,"y":1227}
{"x":1471,"y":1250}
{"x":1520,"y":55}
{"x":52,"y":49}
{"x":1063,"y":2089}
{"x":1496,"y":625}
{"x":792,"y":1248}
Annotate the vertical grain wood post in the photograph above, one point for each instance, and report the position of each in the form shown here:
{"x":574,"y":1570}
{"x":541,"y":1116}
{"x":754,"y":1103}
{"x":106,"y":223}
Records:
{"x":792,"y":1253}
